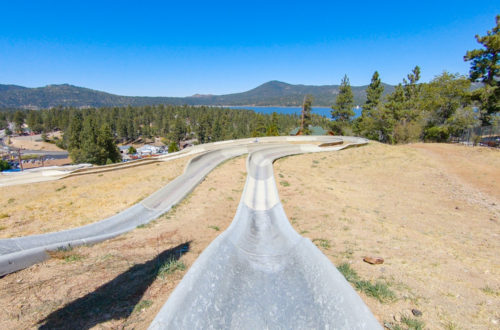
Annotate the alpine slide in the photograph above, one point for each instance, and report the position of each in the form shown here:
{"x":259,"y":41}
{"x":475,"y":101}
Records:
{"x":258,"y":274}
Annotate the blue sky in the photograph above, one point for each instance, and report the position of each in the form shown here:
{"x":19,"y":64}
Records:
{"x":178,"y":48}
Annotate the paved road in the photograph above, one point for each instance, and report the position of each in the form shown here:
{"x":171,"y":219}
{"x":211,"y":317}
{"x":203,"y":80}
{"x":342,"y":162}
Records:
{"x":259,"y":273}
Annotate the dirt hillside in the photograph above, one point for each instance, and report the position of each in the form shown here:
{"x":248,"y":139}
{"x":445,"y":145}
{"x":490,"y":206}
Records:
{"x":71,"y":202}
{"x":435,"y":223}
{"x":431,"y":211}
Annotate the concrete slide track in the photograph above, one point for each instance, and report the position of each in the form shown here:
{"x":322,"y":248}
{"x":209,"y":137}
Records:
{"x":21,"y":252}
{"x":259,"y":273}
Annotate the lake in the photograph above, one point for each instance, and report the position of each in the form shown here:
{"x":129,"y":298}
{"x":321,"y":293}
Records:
{"x":322,"y":111}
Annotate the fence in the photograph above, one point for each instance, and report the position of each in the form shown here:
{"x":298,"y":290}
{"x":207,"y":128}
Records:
{"x":485,"y":135}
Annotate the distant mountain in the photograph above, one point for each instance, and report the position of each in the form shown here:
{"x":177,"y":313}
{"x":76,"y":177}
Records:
{"x":273,"y":93}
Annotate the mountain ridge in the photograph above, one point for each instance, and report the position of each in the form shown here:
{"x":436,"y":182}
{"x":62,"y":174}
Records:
{"x":271,"y":93}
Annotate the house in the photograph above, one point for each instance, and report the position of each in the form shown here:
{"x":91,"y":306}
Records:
{"x":148,"y":150}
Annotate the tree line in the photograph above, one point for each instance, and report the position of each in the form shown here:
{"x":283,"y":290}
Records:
{"x":446,"y":106}
{"x":90,"y":134}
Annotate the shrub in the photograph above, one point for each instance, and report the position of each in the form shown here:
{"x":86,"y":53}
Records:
{"x":4,"y":165}
{"x":436,"y":134}
{"x":406,"y":132}
{"x":173,"y":147}
{"x":132,"y":150}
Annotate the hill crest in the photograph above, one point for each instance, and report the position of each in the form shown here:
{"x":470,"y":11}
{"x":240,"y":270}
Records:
{"x":271,"y":93}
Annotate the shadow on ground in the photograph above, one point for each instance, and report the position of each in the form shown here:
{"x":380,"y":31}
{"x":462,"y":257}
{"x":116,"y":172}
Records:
{"x":113,"y":300}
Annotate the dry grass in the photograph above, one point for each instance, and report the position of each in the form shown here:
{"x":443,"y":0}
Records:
{"x":431,"y":211}
{"x":437,"y":229}
{"x":76,"y":201}
{"x":123,"y":282}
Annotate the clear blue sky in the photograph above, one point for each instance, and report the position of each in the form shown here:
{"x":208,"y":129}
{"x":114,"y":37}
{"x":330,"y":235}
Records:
{"x":178,"y":48}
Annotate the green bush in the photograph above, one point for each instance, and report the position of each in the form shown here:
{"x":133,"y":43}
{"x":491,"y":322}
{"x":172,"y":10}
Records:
{"x":132,"y":150}
{"x":173,"y":147}
{"x":436,"y":134}
{"x":4,"y":165}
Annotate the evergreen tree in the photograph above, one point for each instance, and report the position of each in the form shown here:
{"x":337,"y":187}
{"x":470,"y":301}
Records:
{"x":342,"y":112}
{"x":485,"y":67}
{"x":373,"y":94}
{"x":411,"y":86}
{"x":272,"y":128}
{"x":19,"y":117}
{"x":260,"y":126}
{"x":369,"y":124}
{"x":306,"y":115}
{"x":179,"y":130}
{"x":88,"y":152}
{"x":217,"y":130}
{"x":203,"y":132}
{"x":74,"y":131}
{"x":108,"y":151}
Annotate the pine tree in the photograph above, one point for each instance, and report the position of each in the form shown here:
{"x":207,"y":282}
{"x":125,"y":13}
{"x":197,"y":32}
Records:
{"x":203,"y":130}
{"x":412,"y":90}
{"x":217,"y":130}
{"x":88,"y":151}
{"x":373,"y":94}
{"x":179,"y":130}
{"x":74,"y":132}
{"x":306,"y":115}
{"x":260,"y":127}
{"x":272,"y":128}
{"x":108,"y":151}
{"x":342,"y":112}
{"x":485,"y":67}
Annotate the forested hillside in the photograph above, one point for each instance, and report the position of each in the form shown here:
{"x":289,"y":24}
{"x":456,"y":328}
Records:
{"x":87,"y":132}
{"x":271,"y":93}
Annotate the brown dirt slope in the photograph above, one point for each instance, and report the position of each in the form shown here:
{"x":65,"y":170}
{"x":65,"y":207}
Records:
{"x":426,"y":209}
{"x":55,"y":205}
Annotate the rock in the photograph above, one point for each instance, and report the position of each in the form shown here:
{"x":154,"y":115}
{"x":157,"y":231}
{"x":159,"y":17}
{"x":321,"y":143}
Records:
{"x":397,"y":318}
{"x":416,"y":312}
{"x":373,"y":260}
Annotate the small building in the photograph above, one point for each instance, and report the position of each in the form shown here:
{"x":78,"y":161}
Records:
{"x":148,"y":150}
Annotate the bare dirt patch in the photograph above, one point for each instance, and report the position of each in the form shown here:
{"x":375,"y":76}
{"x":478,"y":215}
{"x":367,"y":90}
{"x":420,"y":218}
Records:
{"x":33,"y":142}
{"x":36,"y":163}
{"x":123,"y":282}
{"x":436,"y":225}
{"x":476,"y":166}
{"x":56,"y":205}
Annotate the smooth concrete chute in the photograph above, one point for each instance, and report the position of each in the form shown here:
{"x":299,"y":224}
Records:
{"x":260,"y":273}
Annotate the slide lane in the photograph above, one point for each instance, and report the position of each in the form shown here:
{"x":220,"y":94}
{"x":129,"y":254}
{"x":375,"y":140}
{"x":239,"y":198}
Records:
{"x":260,"y":273}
